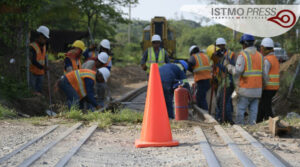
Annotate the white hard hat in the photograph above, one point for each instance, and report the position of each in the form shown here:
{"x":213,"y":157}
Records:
{"x":192,"y":48}
{"x":105,"y":73}
{"x":105,"y":44}
{"x":220,"y":41}
{"x":156,"y":37}
{"x":44,"y":30}
{"x":103,"y":57}
{"x":267,"y":42}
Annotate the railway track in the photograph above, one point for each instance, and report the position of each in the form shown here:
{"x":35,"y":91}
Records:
{"x":219,"y":145}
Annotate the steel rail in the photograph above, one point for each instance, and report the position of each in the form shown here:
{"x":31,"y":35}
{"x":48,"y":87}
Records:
{"x":16,"y":151}
{"x":209,"y":154}
{"x":234,"y":148}
{"x":27,"y":162}
{"x":73,"y":151}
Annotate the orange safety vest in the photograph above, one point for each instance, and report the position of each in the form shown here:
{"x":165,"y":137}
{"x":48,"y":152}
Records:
{"x":40,"y":57}
{"x":93,"y":56}
{"x":76,"y":79}
{"x":71,"y":56}
{"x":252,"y":76}
{"x":273,"y":83}
{"x":202,"y":69}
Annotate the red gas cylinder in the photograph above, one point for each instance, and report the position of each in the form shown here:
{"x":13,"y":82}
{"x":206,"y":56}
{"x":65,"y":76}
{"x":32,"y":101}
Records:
{"x":182,"y":99}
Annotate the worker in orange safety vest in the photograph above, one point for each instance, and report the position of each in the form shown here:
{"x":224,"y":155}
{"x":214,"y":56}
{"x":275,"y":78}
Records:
{"x":270,"y":80}
{"x":248,"y":68}
{"x":38,"y":60}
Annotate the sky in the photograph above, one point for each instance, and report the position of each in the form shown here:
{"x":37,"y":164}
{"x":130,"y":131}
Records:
{"x":147,"y":9}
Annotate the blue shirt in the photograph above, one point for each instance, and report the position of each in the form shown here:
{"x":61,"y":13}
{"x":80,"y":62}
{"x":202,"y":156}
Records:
{"x":171,"y":73}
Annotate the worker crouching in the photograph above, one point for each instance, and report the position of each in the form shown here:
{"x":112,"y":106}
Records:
{"x":78,"y":86}
{"x":172,"y":75}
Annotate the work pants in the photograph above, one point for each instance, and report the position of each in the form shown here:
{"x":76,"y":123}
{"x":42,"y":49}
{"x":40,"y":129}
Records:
{"x":202,"y":88}
{"x":228,"y":104}
{"x":36,"y":82}
{"x":245,"y":103}
{"x":169,"y":95}
{"x":265,"y":105}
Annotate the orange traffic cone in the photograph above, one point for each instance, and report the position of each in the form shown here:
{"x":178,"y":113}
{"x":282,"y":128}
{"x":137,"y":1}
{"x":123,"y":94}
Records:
{"x":156,"y":130}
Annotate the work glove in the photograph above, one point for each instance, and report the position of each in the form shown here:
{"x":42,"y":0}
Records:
{"x":177,"y":83}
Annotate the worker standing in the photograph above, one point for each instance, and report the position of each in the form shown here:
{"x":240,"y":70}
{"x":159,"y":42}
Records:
{"x":72,"y":60}
{"x":154,"y":54}
{"x":38,"y":60}
{"x":171,"y":75}
{"x":222,"y":75}
{"x":199,"y":65}
{"x":270,"y":79}
{"x":249,"y":66}
{"x":78,"y":86}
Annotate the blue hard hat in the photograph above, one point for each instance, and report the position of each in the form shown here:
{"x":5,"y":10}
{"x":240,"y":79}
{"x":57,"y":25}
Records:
{"x":184,"y":64}
{"x":247,"y":37}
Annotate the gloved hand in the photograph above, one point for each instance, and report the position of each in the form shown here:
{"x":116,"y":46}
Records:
{"x":231,"y":69}
{"x":176,"y":84}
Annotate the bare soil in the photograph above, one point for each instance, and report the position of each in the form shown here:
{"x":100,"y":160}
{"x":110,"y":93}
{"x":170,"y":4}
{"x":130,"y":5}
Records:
{"x":122,"y":80}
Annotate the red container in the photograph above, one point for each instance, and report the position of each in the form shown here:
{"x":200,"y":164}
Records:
{"x":182,"y":99}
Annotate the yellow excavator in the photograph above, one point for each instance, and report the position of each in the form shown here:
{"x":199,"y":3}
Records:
{"x":159,"y":25}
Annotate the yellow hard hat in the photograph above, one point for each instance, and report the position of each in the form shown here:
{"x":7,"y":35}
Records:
{"x":210,"y":50}
{"x":79,"y":44}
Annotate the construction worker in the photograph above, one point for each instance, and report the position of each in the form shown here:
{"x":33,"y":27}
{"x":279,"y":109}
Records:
{"x":199,"y":65}
{"x":94,"y":64}
{"x":78,"y":86}
{"x":90,"y":52}
{"x":270,"y":80}
{"x":222,"y":75}
{"x":154,"y":54}
{"x":104,"y":46}
{"x":38,"y":60}
{"x":248,"y":67}
{"x":72,"y":59}
{"x":171,"y":75}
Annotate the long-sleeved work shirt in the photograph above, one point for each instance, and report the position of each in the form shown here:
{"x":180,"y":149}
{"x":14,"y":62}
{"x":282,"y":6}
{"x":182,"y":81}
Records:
{"x":238,"y":71}
{"x":266,"y":70}
{"x":171,"y":73}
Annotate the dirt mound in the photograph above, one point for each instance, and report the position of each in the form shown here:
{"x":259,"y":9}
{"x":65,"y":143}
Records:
{"x":284,"y":103}
{"x":291,"y":62}
{"x":121,"y":76}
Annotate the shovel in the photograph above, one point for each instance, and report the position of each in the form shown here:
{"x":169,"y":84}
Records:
{"x":49,"y":111}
